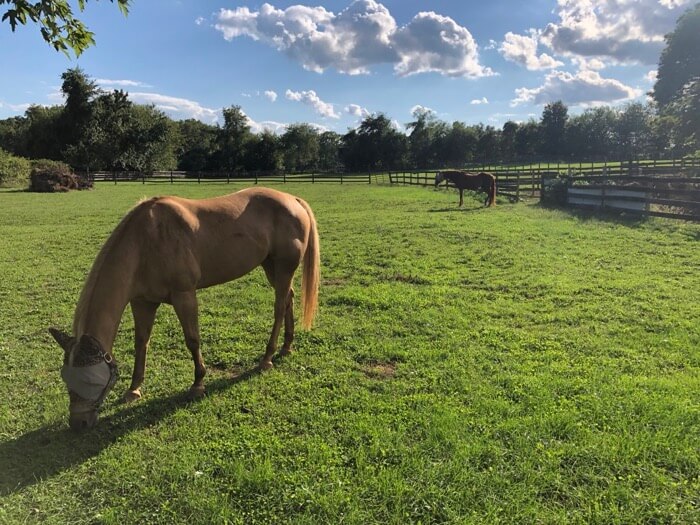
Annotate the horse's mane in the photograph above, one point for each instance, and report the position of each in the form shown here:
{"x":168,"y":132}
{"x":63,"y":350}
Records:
{"x":90,"y":283}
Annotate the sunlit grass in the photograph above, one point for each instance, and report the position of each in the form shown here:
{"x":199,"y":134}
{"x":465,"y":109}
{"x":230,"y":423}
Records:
{"x":512,"y":364}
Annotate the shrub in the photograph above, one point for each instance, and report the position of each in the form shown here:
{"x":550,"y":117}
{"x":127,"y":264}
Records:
{"x":554,"y":191}
{"x":14,"y":171}
{"x":50,"y":176}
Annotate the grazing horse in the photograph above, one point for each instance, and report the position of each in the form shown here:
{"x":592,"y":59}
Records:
{"x":470,"y":181}
{"x":163,"y":251}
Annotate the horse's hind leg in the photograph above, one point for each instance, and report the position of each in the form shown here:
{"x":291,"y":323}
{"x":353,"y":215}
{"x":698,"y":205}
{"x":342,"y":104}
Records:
{"x":461,"y":197}
{"x":280,"y":278}
{"x":185,"y":305}
{"x":144,"y":313}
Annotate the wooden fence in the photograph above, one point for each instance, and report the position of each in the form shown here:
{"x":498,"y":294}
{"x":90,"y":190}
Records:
{"x":249,"y":177}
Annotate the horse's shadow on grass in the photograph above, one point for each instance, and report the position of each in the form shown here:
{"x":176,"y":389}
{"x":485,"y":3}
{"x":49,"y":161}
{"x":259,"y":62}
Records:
{"x":454,"y":209}
{"x":49,"y":450}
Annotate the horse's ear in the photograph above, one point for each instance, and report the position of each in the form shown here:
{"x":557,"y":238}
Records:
{"x":64,"y":340}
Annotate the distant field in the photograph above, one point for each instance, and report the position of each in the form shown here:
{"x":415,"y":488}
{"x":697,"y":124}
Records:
{"x":513,"y":364}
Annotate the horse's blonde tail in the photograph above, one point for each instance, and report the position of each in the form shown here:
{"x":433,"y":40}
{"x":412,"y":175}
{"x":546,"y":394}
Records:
{"x":311,"y":274}
{"x":492,"y":191}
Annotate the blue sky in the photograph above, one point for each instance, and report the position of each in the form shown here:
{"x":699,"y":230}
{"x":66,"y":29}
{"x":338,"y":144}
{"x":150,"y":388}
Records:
{"x":330,"y":63}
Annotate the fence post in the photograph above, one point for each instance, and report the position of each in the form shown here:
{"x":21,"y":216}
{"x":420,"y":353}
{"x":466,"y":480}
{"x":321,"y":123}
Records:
{"x":114,"y":176}
{"x":171,"y":176}
{"x":369,"y":177}
{"x":341,"y":177}
{"x":313,"y":178}
{"x":228,"y":177}
{"x":143,"y":178}
{"x":284,"y":176}
{"x":517,"y":185}
{"x":256,"y":176}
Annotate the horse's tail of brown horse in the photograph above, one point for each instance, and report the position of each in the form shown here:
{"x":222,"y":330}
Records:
{"x":492,"y":189}
{"x":311,"y":274}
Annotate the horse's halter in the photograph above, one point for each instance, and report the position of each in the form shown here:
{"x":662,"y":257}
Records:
{"x":91,"y":377}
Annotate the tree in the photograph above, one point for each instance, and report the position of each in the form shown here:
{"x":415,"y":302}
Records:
{"x":552,"y":127}
{"x":329,"y":143}
{"x":680,"y":61}
{"x":508,"y":134}
{"x":300,"y":147}
{"x":58,"y":26}
{"x":79,"y":91}
{"x":197,"y":145}
{"x":232,"y":139}
{"x":527,"y":140}
{"x":374,"y":145}
{"x":264,"y":152}
{"x":460,"y":145}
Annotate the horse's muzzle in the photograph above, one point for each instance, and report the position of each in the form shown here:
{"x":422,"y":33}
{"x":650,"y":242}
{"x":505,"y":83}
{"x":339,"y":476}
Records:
{"x":83,"y":421}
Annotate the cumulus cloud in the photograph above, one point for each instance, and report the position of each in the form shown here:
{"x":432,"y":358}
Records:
{"x":418,"y":109}
{"x":107,"y":83}
{"x":622,"y":31}
{"x":310,"y":98}
{"x":362,"y":35}
{"x":357,"y":111}
{"x":522,"y":49}
{"x":651,"y":76}
{"x":583,"y":88}
{"x":478,"y":101}
{"x":270,"y":95}
{"x":178,"y":108}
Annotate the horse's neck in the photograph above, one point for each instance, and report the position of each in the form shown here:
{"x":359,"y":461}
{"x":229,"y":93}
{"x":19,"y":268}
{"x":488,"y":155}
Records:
{"x":104,"y":304}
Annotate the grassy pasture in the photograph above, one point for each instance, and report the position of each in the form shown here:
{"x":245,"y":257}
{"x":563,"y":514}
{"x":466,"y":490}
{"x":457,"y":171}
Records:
{"x":505,"y":365}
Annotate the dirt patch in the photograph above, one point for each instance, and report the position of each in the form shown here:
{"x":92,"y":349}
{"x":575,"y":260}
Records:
{"x":410,"y":279}
{"x":379,"y":370}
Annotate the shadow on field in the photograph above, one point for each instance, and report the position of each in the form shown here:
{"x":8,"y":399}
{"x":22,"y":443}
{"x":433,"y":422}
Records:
{"x":47,"y":451}
{"x":454,"y":209}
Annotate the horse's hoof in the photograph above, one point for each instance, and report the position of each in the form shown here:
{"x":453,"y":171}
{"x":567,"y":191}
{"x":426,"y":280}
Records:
{"x":285,"y":352}
{"x":196,"y":392}
{"x":265,"y":365}
{"x":131,"y":395}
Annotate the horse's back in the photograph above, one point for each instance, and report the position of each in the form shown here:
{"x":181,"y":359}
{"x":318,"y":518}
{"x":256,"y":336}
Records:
{"x":199,"y":243}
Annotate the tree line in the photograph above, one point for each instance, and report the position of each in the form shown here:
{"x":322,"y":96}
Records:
{"x":98,"y":130}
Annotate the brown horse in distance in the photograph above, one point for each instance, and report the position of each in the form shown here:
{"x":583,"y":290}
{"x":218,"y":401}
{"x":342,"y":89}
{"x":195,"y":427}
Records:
{"x":163,"y":251}
{"x":463,"y":180}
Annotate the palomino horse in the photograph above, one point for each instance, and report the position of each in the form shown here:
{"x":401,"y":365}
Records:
{"x":165,"y":249}
{"x":470,"y":181}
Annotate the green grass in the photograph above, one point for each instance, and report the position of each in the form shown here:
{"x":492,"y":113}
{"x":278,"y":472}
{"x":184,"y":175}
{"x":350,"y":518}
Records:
{"x":513,"y":364}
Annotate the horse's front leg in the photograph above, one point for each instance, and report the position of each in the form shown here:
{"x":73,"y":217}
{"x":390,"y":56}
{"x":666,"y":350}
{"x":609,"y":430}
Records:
{"x":185,"y":305}
{"x":144,"y":313}
{"x":461,"y":197}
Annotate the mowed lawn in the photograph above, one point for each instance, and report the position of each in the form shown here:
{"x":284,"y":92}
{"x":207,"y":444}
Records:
{"x":505,"y":365}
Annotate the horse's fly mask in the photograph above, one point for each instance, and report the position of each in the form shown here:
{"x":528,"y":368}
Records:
{"x":91,"y":377}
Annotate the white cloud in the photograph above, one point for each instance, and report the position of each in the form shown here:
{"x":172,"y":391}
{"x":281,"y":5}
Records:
{"x":15,"y":108}
{"x":583,"y":88}
{"x":421,"y":109}
{"x":199,"y":20}
{"x":651,"y":76}
{"x":357,"y":111}
{"x":482,"y":100}
{"x":588,"y":64}
{"x":104,"y":83}
{"x":621,"y":31}
{"x":363,"y":35}
{"x":310,"y":98}
{"x":522,"y":49}
{"x":270,"y":95}
{"x":178,"y":108}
